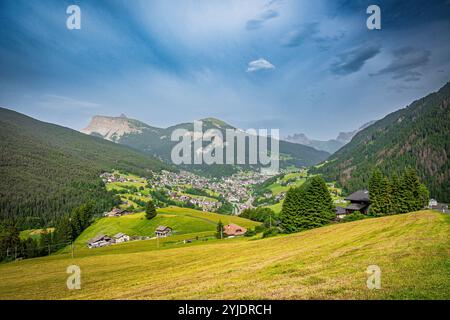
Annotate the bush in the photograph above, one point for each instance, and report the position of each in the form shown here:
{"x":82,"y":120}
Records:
{"x":250,"y":233}
{"x":271,"y":232}
{"x":260,"y":228}
{"x":354,"y":217}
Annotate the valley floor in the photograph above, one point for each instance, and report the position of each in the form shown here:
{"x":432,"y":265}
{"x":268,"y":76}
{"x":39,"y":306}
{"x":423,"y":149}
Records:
{"x":412,"y":251}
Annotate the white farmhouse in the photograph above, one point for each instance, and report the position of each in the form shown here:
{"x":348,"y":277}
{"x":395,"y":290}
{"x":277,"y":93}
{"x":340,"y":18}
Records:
{"x":121,"y":237}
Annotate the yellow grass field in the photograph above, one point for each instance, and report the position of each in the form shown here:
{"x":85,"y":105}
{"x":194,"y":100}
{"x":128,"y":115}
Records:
{"x":412,"y":251}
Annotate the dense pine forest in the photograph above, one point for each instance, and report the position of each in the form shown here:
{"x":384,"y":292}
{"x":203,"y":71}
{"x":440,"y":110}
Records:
{"x":415,"y":137}
{"x":48,"y":170}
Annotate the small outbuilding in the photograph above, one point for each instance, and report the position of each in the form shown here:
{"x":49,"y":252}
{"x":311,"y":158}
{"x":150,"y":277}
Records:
{"x":340,"y":212}
{"x":121,"y":237}
{"x":163,"y":231}
{"x":117,"y":212}
{"x":101,"y":240}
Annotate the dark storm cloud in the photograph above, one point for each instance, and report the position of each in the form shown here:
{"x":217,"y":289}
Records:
{"x":405,"y":64}
{"x":352,"y":61}
{"x":309,"y":32}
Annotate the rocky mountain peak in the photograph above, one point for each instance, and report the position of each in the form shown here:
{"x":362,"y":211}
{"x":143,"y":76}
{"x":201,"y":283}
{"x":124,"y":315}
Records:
{"x":111,"y":128}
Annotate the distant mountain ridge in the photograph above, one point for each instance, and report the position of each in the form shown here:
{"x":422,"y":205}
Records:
{"x":416,"y":136}
{"x":157,"y":142}
{"x":330,"y":146}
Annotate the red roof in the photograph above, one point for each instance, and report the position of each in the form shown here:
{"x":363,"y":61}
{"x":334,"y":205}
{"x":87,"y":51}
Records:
{"x":234,"y":230}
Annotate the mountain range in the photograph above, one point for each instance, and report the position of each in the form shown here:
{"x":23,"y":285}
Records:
{"x":416,"y":136}
{"x":330,"y":146}
{"x":157,"y":142}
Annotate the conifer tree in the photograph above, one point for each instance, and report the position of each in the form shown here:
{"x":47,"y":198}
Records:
{"x":293,"y":206}
{"x":412,"y":190}
{"x":385,"y":196}
{"x":375,"y":193}
{"x":64,"y":232}
{"x":395,"y":194}
{"x":219,"y":233}
{"x":308,"y":206}
{"x":150,"y":210}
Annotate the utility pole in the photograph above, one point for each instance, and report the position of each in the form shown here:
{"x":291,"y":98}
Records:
{"x":15,"y":253}
{"x":72,"y":249}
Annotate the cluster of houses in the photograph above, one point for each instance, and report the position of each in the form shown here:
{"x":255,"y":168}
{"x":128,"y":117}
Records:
{"x":202,"y":202}
{"x":103,"y":240}
{"x":117,"y":212}
{"x":236,"y":189}
{"x":108,"y":177}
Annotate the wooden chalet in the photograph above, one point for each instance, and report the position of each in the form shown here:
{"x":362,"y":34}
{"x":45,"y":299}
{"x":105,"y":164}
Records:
{"x":163,"y":231}
{"x":359,"y":201}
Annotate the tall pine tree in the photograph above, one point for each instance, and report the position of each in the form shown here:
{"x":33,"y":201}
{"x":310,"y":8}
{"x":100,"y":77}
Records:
{"x":150,"y":210}
{"x":375,"y":193}
{"x":307,"y":207}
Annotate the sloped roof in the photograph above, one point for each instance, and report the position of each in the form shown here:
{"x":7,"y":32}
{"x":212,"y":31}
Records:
{"x":119,"y":235}
{"x":356,"y":206}
{"x":360,"y":195}
{"x":163,"y":228}
{"x":234,"y":230}
{"x":97,"y":238}
{"x":340,"y":210}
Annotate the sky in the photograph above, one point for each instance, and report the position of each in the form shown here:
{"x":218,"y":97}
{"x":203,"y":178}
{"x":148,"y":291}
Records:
{"x":308,"y":67}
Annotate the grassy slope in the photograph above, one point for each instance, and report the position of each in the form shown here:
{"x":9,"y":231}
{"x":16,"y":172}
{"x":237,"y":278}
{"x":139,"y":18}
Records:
{"x":412,"y":251}
{"x":182,"y":220}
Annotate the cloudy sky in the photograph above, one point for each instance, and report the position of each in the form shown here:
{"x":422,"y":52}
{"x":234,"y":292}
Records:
{"x":300,"y":66}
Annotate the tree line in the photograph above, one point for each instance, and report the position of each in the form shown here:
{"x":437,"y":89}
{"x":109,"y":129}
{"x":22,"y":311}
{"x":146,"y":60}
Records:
{"x":397,"y":194}
{"x":67,"y":229}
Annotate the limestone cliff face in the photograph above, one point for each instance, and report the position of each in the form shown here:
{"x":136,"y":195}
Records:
{"x":111,"y":128}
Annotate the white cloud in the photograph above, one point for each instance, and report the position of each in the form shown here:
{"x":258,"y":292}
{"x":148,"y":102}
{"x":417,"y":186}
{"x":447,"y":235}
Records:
{"x":260,"y":64}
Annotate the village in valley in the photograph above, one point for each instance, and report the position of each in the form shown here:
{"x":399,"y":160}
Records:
{"x":236,"y":193}
{"x":188,"y":189}
{"x":181,"y":190}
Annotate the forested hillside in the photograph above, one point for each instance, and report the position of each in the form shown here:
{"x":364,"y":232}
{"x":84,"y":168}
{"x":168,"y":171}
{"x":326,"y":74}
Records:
{"x":47,"y":170}
{"x":416,"y":137}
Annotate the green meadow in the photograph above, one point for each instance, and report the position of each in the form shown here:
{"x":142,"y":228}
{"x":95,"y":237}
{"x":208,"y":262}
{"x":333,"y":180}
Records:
{"x":412,"y":250}
{"x":181,"y":220}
